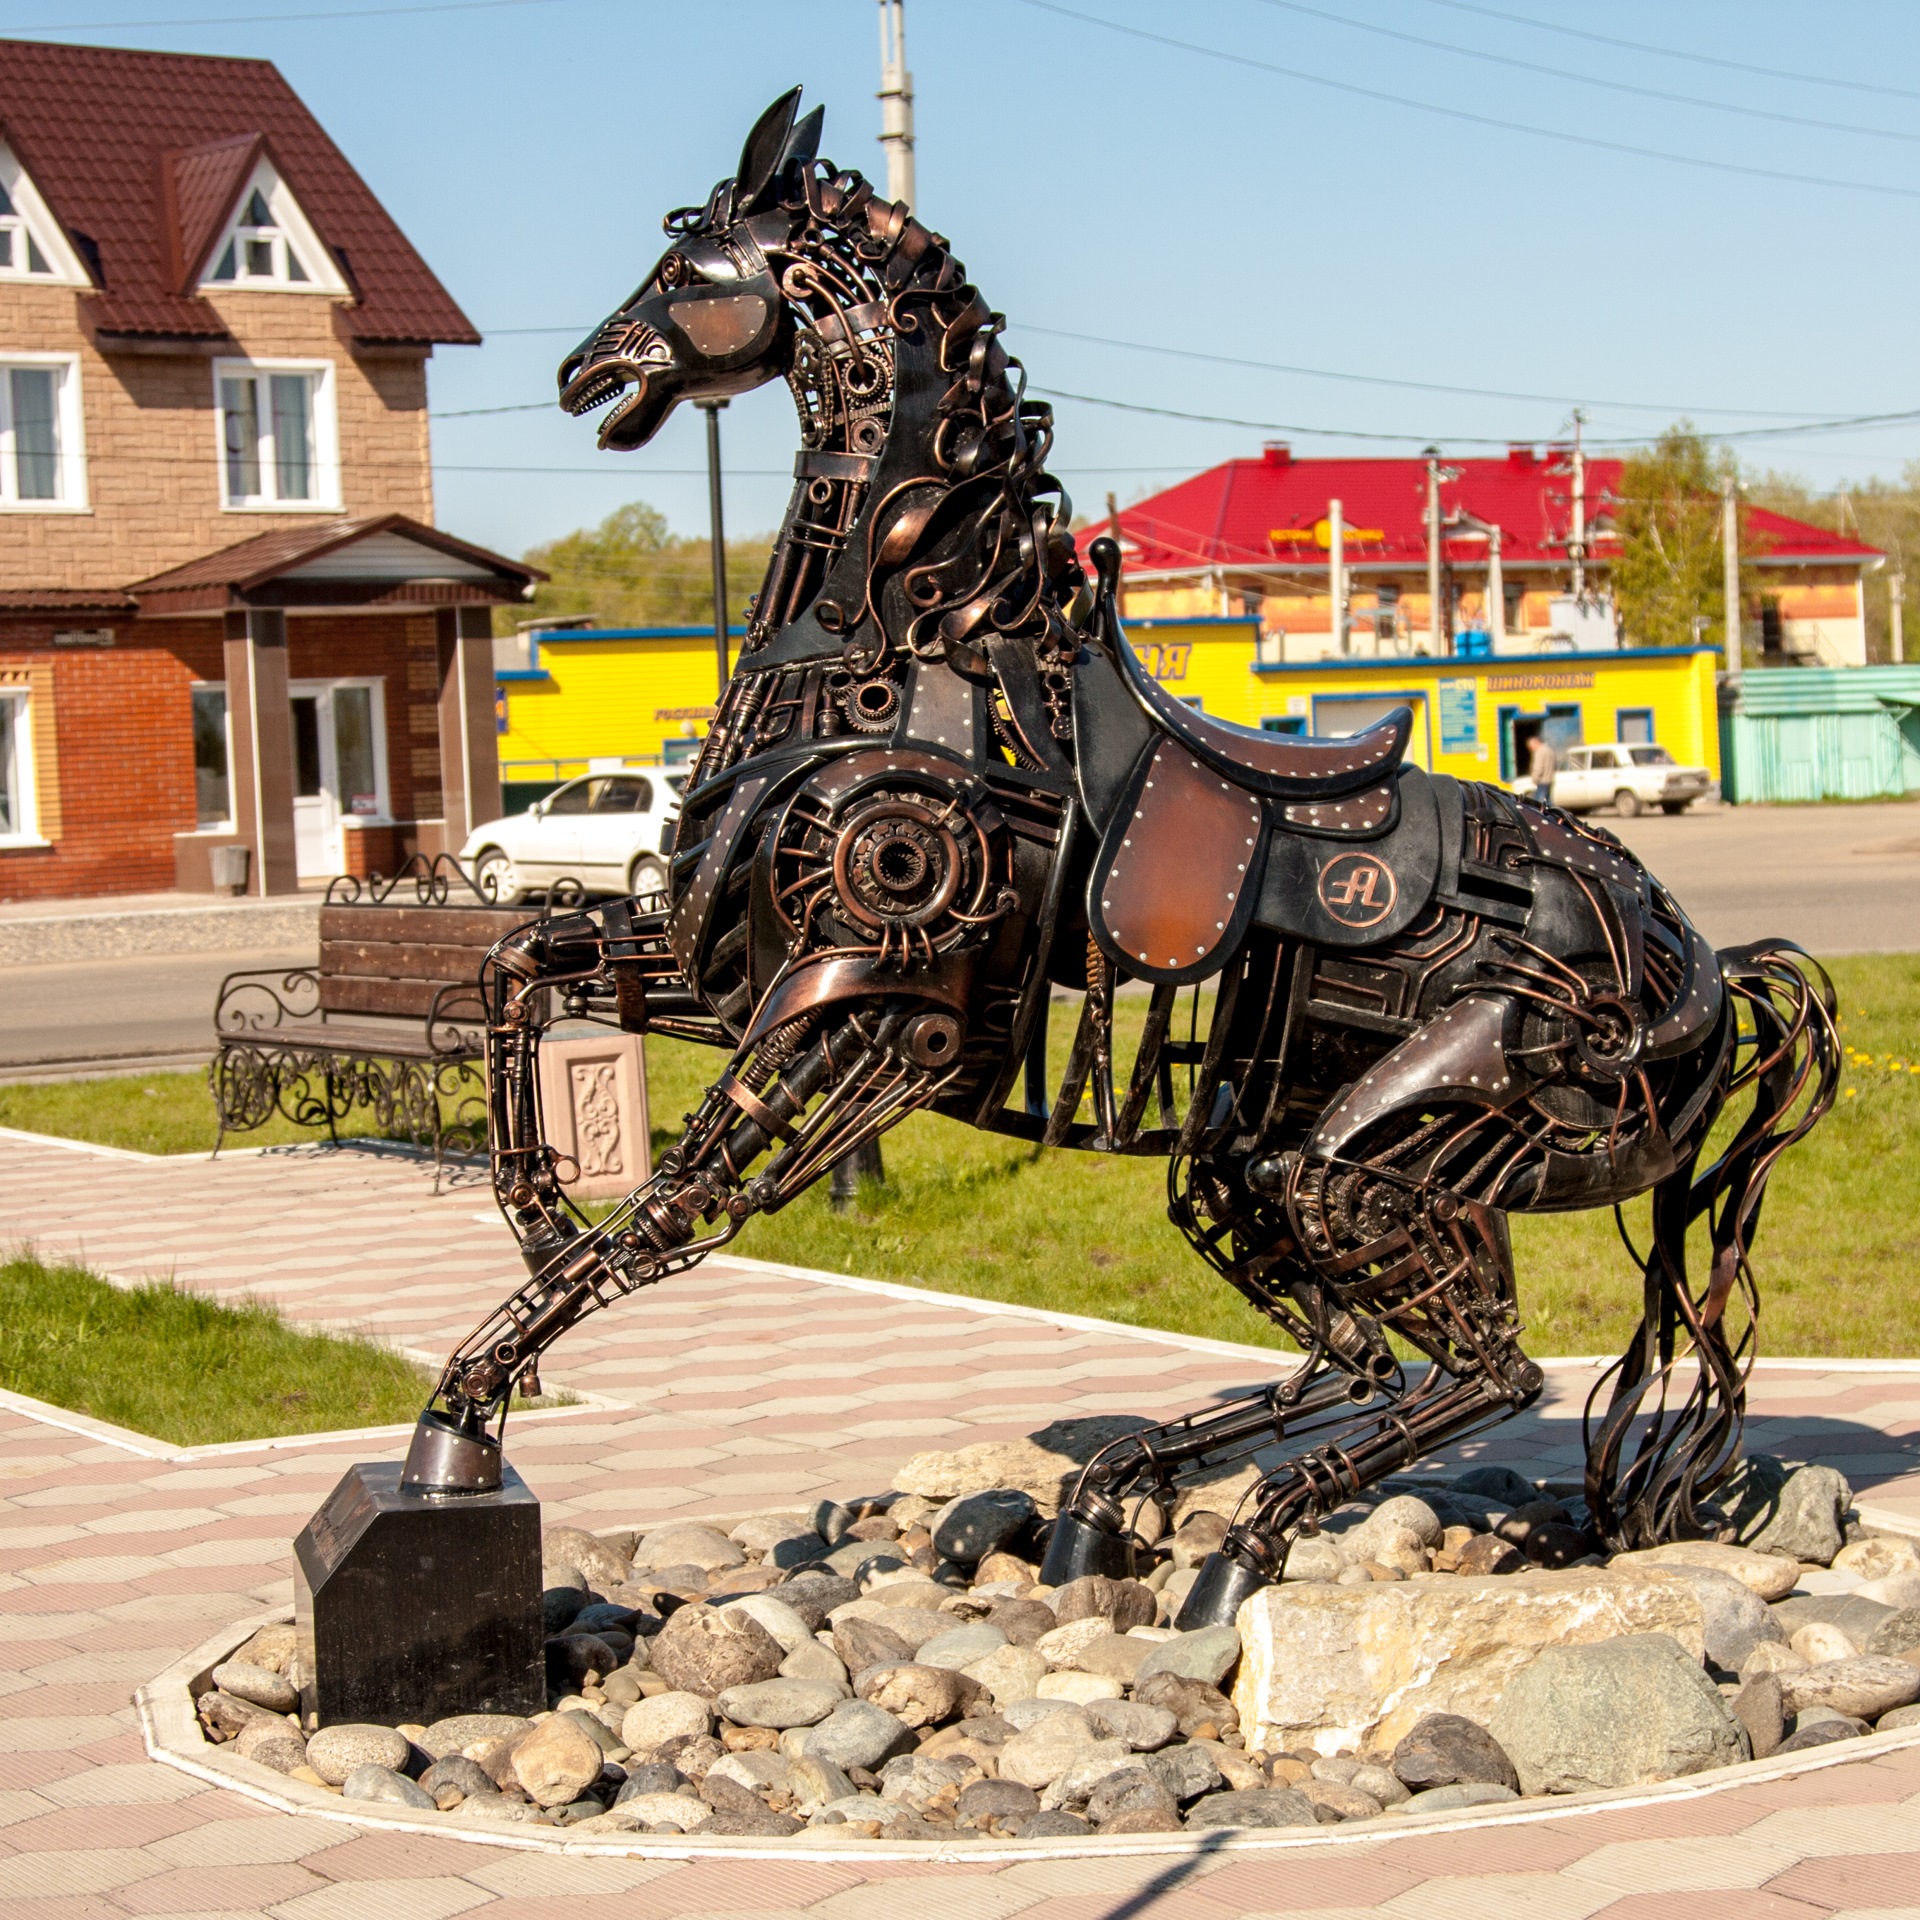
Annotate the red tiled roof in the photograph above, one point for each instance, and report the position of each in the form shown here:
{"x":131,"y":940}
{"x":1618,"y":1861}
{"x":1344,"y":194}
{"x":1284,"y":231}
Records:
{"x":141,"y":155}
{"x":1237,"y":514}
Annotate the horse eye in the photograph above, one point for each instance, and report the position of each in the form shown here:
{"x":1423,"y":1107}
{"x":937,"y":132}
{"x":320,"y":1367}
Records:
{"x":675,"y":271}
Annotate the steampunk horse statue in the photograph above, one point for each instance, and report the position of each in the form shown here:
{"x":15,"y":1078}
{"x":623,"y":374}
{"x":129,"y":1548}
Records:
{"x":941,"y":788}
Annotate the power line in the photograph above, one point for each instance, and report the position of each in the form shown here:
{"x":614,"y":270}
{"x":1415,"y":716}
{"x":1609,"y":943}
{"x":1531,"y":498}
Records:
{"x":271,"y":19}
{"x":1772,"y":117}
{"x":1677,"y":53}
{"x":1559,"y":134}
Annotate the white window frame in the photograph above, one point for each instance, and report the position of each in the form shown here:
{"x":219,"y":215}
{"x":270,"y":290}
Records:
{"x":26,"y":832}
{"x":289,"y":226}
{"x":324,"y":456}
{"x":70,"y":452}
{"x":226,"y":825}
{"x":31,"y":215}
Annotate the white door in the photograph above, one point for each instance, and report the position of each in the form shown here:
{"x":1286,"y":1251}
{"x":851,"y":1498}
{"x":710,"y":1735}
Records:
{"x":614,"y":827}
{"x":339,"y":764}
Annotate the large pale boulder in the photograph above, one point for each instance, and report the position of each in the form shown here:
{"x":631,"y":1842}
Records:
{"x":1043,"y":1466}
{"x":1772,"y":1576}
{"x":1341,"y":1668}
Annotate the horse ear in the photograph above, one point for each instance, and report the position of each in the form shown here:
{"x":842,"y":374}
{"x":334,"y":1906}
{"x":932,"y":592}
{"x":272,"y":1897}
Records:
{"x":803,"y":144}
{"x":760,"y":157}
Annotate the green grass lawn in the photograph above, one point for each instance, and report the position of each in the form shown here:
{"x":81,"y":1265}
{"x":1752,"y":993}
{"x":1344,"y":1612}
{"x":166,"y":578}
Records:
{"x":1837,"y":1252}
{"x":184,"y":1369}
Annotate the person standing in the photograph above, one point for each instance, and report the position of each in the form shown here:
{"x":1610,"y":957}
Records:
{"x":1542,"y":765}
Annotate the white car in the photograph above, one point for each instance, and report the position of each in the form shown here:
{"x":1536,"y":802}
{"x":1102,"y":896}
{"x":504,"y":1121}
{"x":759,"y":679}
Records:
{"x":1627,"y":777}
{"x":606,"y":833}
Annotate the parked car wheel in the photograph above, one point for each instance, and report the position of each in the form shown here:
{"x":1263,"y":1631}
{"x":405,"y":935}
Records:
{"x":493,"y":875}
{"x":647,"y":875}
{"x":1626,"y":803}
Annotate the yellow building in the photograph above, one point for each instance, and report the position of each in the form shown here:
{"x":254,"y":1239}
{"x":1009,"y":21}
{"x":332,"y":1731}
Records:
{"x":645,"y":696}
{"x":1471,"y":718}
{"x":578,"y":696}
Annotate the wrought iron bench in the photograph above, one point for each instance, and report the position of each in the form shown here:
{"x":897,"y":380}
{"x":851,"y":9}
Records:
{"x":391,"y":1019}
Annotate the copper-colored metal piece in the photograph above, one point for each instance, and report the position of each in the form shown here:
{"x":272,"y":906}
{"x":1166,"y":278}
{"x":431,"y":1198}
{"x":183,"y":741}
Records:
{"x":939,"y":777}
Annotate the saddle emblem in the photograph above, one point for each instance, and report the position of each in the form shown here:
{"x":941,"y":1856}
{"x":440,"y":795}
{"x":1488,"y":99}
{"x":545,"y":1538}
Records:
{"x":1357,"y":889}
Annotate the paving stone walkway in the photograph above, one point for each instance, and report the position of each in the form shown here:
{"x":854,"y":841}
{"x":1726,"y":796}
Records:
{"x":737,"y":1386}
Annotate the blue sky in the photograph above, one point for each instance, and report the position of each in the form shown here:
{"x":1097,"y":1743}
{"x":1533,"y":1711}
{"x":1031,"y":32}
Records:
{"x":1102,"y":183}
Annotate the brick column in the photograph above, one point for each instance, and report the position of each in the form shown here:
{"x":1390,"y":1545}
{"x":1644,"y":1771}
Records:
{"x":260,"y":722}
{"x":469,"y":750}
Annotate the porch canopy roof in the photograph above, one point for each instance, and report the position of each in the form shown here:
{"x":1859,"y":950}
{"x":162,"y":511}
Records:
{"x":385,"y":562}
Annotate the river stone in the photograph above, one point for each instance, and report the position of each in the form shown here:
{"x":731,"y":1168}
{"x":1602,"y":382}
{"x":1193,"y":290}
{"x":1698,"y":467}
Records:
{"x":761,"y":1532}
{"x":1892,"y":1590}
{"x":1092,"y":1763}
{"x":815,"y":1783}
{"x":1770,"y":1575}
{"x":1338,"y":1668}
{"x":1447,"y":1750}
{"x":779,"y":1703}
{"x":382,"y":1783}
{"x":960,"y":1647}
{"x":1403,"y":1510}
{"x":334,"y":1752}
{"x":1616,"y":1713}
{"x":272,"y":1743}
{"x":852,"y":1555}
{"x":1115,"y":1656}
{"x":917,"y":1625}
{"x":1896,"y":1634}
{"x":1023,"y":1621}
{"x":1313,"y":1557}
{"x":866,"y":1643}
{"x":1062,"y":1647}
{"x":556,"y":1760}
{"x":261,"y":1685}
{"x":272,"y":1647}
{"x":1487,"y":1555}
{"x":1038,"y":1755}
{"x":1820,"y":1643}
{"x":1797,"y":1514}
{"x":600,"y":1564}
{"x":1185,"y":1771}
{"x":225,"y":1714}
{"x":1069,"y":1683}
{"x":918,"y":1696}
{"x":1864,"y":1687}
{"x":704,"y":1650}
{"x":1760,"y":1707}
{"x":1254,"y":1807}
{"x":1820,"y":1733}
{"x":764,"y":1825}
{"x":818,"y":1664}
{"x":1734,"y":1619}
{"x":973,"y":1525}
{"x":681,"y":1811}
{"x":1009,"y":1673}
{"x":1142,"y":1727}
{"x":454,"y":1779}
{"x":1196,"y":1707}
{"x":1044,"y":1465}
{"x":687,"y":1544}
{"x":1207,"y":1653}
{"x":1500,"y":1485}
{"x":779,"y":1619}
{"x":1121,"y":1604}
{"x":650,"y":1723}
{"x":1899,"y":1718}
{"x":1876,"y":1556}
{"x":856,"y":1734}
{"x":990,"y":1806}
{"x":1455,"y":1799}
{"x":1133,"y":1800}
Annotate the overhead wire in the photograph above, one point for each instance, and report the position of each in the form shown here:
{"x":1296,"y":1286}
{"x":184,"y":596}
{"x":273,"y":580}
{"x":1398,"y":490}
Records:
{"x":1406,"y":102}
{"x":1773,"y":116}
{"x":1798,"y":78}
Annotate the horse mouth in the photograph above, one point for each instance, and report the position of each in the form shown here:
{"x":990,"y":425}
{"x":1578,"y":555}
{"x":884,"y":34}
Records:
{"x":595,"y":386}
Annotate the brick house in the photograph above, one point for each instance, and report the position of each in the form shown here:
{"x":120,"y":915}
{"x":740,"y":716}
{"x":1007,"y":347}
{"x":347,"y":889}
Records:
{"x":226,"y":616}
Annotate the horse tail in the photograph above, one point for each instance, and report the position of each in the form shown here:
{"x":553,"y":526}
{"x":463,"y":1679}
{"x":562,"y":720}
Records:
{"x":1783,"y":1047}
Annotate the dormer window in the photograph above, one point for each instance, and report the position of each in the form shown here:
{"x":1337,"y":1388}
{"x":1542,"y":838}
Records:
{"x":31,"y":244}
{"x":270,"y":243}
{"x":259,"y":249}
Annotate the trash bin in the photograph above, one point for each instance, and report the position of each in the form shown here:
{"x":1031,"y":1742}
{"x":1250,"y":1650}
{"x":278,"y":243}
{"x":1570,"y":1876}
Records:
{"x":230,"y":868}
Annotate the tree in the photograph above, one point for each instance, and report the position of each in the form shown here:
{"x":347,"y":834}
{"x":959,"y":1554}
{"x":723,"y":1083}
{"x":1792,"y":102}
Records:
{"x":1667,"y":515}
{"x":629,"y":571}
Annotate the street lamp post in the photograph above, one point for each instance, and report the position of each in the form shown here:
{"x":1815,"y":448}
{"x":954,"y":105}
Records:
{"x":718,"y":534}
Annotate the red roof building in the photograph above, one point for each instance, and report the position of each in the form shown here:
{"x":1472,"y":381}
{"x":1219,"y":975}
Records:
{"x":1255,"y":536}
{"x":226,"y":617}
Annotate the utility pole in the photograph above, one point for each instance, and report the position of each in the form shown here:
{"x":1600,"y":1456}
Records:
{"x":1496,"y":591}
{"x":896,"y":101}
{"x":1577,"y":538}
{"x":1730,"y":572}
{"x":717,"y":535}
{"x":1896,"y":608}
{"x":1433,"y":551}
{"x":1337,"y":573}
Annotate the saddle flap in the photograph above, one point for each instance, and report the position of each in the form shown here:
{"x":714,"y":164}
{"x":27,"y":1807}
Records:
{"x":1175,"y":880}
{"x":1287,"y":766}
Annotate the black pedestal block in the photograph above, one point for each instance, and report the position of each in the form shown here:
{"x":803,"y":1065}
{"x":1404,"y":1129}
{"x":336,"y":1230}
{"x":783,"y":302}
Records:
{"x":414,"y":1606}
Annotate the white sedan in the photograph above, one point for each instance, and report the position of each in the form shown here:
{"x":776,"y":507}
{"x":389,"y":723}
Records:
{"x":1627,"y":777}
{"x":607,"y":833}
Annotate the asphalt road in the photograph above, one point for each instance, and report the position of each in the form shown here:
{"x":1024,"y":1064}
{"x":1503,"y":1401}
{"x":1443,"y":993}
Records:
{"x":129,"y":1011}
{"x":1838,"y":879}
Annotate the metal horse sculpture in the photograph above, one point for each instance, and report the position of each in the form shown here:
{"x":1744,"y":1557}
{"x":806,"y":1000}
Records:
{"x":940,"y":789}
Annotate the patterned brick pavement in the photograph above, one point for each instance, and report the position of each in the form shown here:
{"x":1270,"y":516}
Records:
{"x":737,"y":1386}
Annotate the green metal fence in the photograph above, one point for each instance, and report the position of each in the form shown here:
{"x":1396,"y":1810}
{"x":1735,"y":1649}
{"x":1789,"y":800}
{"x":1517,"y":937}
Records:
{"x":1821,"y":733}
